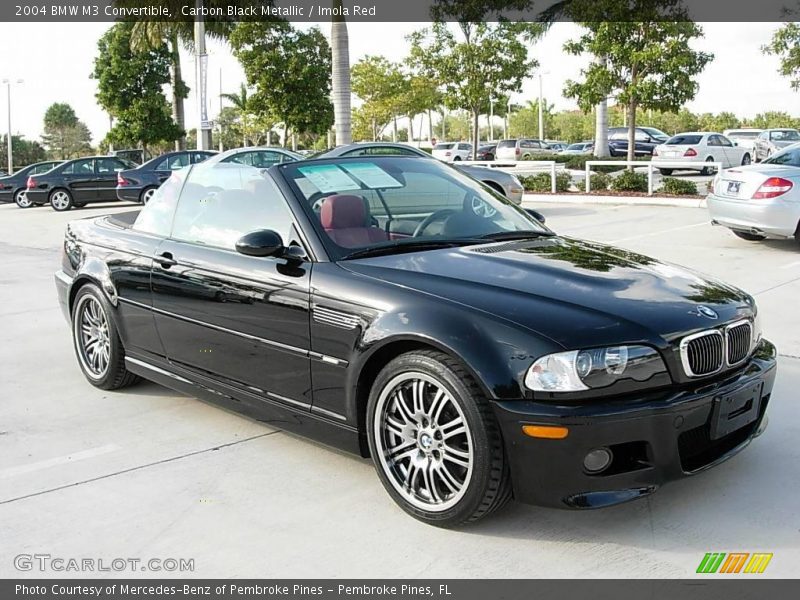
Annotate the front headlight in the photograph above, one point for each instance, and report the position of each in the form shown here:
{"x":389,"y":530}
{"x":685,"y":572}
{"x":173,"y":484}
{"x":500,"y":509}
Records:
{"x":579,"y":370}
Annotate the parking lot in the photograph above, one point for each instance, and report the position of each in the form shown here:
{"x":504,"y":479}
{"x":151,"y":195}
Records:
{"x":147,"y":473}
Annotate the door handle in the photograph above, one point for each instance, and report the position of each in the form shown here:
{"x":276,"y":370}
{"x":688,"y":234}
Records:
{"x":165,"y":259}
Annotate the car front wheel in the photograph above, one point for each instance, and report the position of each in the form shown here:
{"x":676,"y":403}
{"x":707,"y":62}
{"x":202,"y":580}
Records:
{"x":61,"y":200}
{"x":435,"y":442}
{"x":97,"y":345}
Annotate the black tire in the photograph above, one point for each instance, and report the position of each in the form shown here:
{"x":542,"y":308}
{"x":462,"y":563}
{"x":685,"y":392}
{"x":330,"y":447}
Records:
{"x":665,"y":172}
{"x":79,"y":204}
{"x":114,"y":375}
{"x":485,"y":486}
{"x":61,"y":200}
{"x":746,"y":159}
{"x":750,"y":237}
{"x":456,"y":159}
{"x":707,"y":170}
{"x":489,"y":157}
{"x":21,"y":199}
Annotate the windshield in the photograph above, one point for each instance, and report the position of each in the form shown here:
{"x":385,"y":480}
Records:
{"x":785,"y":135}
{"x":393,"y":203}
{"x":684,"y":140}
{"x":789,"y":156}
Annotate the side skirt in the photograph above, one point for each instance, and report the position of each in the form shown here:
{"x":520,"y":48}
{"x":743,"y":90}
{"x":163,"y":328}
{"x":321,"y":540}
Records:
{"x":274,"y":413}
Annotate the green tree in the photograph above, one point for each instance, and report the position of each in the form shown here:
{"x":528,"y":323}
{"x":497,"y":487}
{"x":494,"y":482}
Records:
{"x":290,"y":73}
{"x":129,"y":84}
{"x":649,"y":62}
{"x":381,"y":86}
{"x":489,"y":58}
{"x":785,"y":44}
{"x":65,"y":136}
{"x":24,"y":152}
{"x":525,"y":121}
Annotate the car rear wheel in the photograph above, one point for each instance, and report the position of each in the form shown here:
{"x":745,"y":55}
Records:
{"x":707,"y":170}
{"x":435,"y":442}
{"x":665,"y":172}
{"x":456,"y":158}
{"x":21,"y":199}
{"x":61,"y":200}
{"x":147,"y":194}
{"x":96,"y":340}
{"x":745,"y":160}
{"x":750,"y":237}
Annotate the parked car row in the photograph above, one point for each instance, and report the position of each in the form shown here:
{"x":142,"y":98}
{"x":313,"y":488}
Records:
{"x":78,"y":182}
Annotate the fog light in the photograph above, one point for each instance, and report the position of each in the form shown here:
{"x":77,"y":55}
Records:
{"x":597,"y":460}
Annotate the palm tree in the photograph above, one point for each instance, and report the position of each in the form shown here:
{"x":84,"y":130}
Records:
{"x":147,"y":34}
{"x":241,"y":101}
{"x":340,"y":76}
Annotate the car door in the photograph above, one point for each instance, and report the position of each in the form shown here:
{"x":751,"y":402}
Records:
{"x":79,"y":179}
{"x":733,"y":154}
{"x":240,"y":320}
{"x":106,"y":169}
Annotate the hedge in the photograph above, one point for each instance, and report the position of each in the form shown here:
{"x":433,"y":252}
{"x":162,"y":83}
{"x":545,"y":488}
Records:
{"x":541,"y":182}
{"x":630,"y":181}
{"x":679,"y":187}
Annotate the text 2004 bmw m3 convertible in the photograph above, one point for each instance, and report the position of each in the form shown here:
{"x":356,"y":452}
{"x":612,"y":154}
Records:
{"x":398,"y":309}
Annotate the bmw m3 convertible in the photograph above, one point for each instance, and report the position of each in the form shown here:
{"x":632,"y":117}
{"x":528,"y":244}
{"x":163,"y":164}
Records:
{"x":398,"y":309}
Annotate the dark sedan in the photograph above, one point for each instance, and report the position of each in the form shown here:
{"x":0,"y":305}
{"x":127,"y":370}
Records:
{"x":78,"y":182}
{"x":395,"y":308}
{"x":645,"y":140}
{"x":486,"y":152}
{"x":13,"y":187}
{"x":139,"y":184}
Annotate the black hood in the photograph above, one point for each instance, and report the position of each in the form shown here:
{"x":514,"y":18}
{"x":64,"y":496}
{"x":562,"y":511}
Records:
{"x":574,"y":292}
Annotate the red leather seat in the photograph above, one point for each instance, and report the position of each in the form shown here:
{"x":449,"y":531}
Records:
{"x":346,"y":220}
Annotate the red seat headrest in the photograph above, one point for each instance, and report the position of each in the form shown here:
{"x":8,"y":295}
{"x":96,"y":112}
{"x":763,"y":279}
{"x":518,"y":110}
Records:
{"x":343,"y":211}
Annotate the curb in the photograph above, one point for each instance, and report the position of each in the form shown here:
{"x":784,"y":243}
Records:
{"x":623,"y":200}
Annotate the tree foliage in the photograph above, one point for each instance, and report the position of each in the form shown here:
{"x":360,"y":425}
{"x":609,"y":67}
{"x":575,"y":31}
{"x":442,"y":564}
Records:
{"x":482,"y":61}
{"x":24,"y":152}
{"x":649,"y":62}
{"x":785,"y":44}
{"x":290,"y":73}
{"x":65,"y":136}
{"x":129,"y":84}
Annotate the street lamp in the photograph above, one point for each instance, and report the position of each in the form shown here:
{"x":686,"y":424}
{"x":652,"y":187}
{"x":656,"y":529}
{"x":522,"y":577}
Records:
{"x":541,"y":102}
{"x":8,"y":83}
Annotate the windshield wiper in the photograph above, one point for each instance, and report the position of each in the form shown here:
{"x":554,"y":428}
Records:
{"x":516,"y":235}
{"x":414,"y":246}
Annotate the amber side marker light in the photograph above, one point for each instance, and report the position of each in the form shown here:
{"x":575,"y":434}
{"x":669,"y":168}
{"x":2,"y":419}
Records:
{"x":547,"y":432}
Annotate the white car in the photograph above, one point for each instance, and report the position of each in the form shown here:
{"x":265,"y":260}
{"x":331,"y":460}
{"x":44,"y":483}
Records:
{"x":760,"y":201}
{"x":699,"y":147}
{"x":452,"y":151}
{"x":744,"y":138}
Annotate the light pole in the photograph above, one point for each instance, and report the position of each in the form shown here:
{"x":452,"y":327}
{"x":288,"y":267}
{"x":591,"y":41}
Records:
{"x":8,"y":83}
{"x":541,"y":105}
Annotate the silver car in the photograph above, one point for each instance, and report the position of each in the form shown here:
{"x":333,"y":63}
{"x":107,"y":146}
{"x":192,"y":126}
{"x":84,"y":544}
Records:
{"x":760,"y":201}
{"x":771,"y":141}
{"x":500,"y":181}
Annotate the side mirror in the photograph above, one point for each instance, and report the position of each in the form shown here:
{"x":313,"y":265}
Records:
{"x":536,"y":215}
{"x":263,"y":242}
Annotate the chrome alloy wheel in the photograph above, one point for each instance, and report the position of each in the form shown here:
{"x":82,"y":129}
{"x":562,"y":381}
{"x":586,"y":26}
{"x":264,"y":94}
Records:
{"x":60,"y":200}
{"x":148,"y":195}
{"x":21,"y":199}
{"x":424,"y":442}
{"x":92,"y":337}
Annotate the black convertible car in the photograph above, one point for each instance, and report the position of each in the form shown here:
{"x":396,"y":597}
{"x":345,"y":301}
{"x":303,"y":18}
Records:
{"x":395,"y":308}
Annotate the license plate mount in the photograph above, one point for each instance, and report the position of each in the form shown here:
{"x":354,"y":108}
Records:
{"x":733,"y":187}
{"x":735,"y":410}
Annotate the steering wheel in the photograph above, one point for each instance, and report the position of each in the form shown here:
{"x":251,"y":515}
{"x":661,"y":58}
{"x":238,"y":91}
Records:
{"x":439,"y":215}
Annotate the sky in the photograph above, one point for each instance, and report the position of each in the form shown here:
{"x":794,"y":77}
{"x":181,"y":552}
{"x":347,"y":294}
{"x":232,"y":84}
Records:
{"x":54,"y":61}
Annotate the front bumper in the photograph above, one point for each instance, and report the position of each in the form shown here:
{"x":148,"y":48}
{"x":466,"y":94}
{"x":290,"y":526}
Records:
{"x":653,"y":440}
{"x":775,"y":217}
{"x":63,"y":287}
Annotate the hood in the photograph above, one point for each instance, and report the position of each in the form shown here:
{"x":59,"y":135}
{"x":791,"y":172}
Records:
{"x":576,"y":293}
